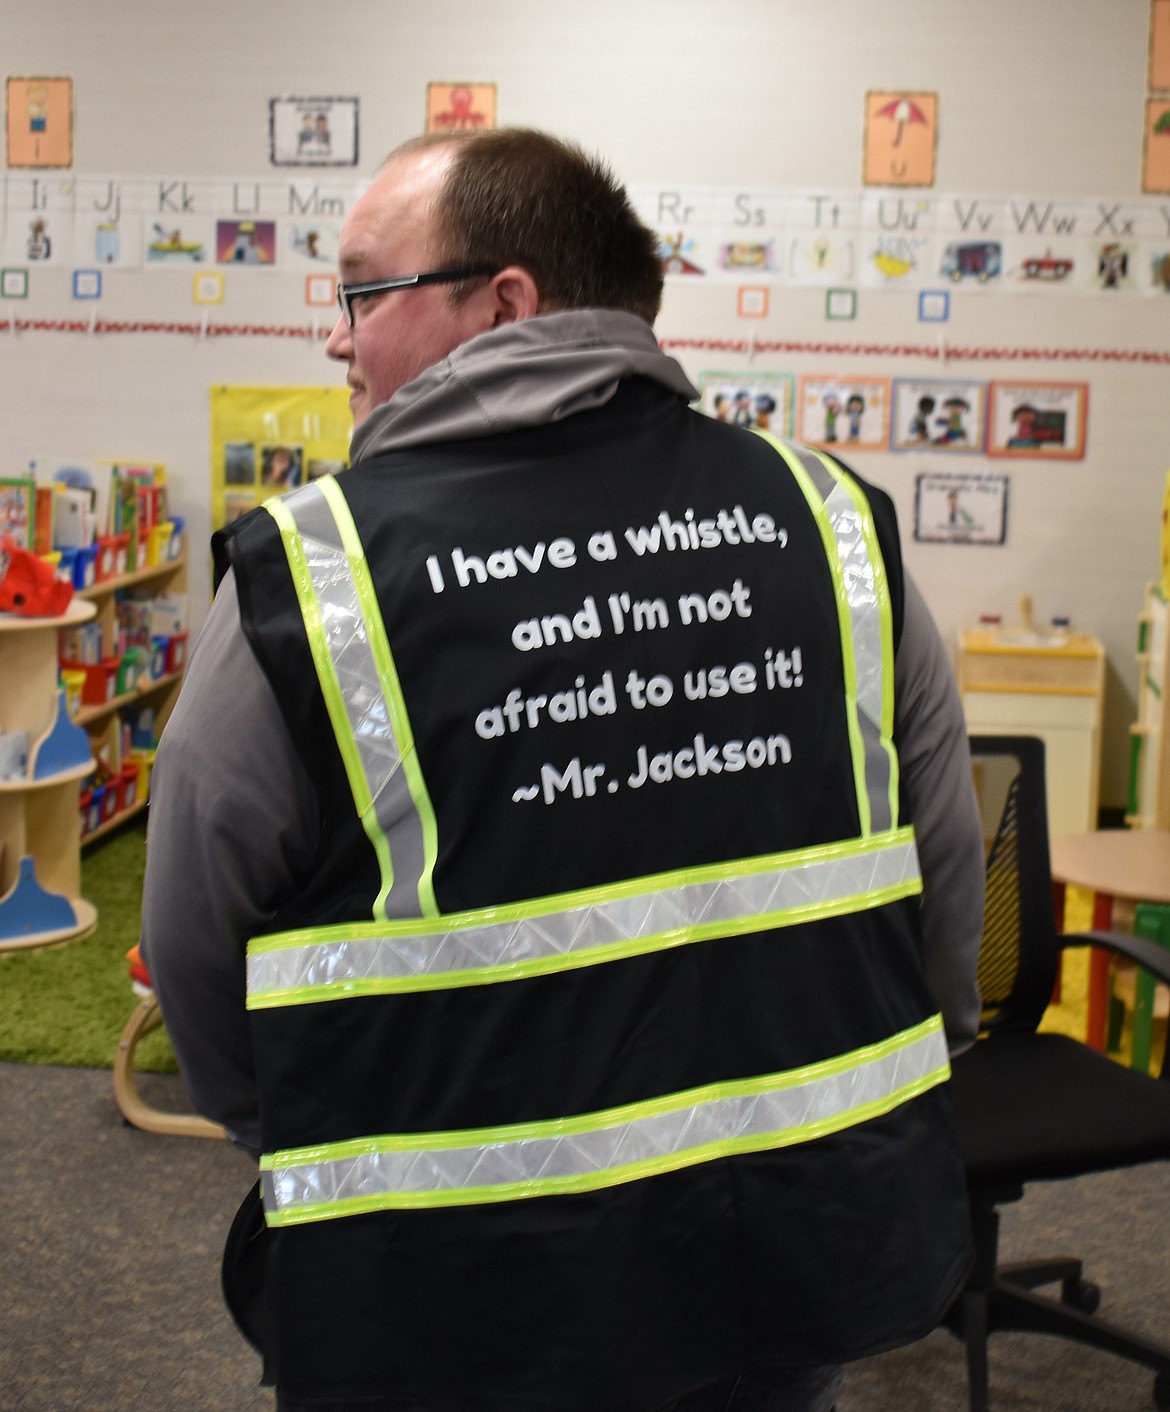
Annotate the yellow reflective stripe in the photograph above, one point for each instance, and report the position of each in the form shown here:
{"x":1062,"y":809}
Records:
{"x":331,"y":689}
{"x":885,"y":620}
{"x":594,"y":1151}
{"x":585,"y":928}
{"x":391,"y":685}
{"x":816,"y":504}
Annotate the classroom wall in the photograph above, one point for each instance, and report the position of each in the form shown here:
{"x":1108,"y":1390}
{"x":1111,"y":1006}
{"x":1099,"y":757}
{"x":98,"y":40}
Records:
{"x":1038,"y":99}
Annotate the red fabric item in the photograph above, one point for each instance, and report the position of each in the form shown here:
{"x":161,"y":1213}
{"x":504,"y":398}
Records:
{"x":28,"y":585}
{"x":138,"y":971}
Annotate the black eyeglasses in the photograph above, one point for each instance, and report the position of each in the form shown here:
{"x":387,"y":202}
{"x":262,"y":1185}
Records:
{"x":347,"y":293}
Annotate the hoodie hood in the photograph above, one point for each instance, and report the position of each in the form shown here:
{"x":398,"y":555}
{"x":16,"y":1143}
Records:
{"x":524,"y":374}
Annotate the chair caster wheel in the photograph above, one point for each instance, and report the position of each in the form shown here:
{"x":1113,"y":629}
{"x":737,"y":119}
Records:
{"x":1162,"y":1390}
{"x":1081,"y":1295}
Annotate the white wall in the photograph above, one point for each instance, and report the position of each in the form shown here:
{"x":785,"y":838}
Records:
{"x":1037,"y":97}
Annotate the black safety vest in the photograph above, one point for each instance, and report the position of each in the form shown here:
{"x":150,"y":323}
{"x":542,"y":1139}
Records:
{"x":596,"y":1056}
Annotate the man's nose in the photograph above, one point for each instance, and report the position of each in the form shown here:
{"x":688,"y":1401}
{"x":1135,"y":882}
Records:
{"x":339,"y":344}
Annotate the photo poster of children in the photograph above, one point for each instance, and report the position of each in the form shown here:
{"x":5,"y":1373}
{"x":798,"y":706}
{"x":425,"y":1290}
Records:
{"x":313,"y":132}
{"x":759,"y":401}
{"x":938,"y":415}
{"x":848,"y":413}
{"x":960,"y":509}
{"x":267,"y":440}
{"x":1042,"y":420}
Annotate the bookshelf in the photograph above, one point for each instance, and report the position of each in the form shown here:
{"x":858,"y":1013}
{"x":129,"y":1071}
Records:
{"x":103,"y":721}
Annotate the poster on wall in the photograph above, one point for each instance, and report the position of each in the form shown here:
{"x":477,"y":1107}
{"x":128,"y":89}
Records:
{"x":40,"y":236}
{"x":938,"y":415}
{"x":457,"y":107}
{"x":246,"y":242}
{"x":265,"y":440}
{"x":40,"y":122}
{"x":1044,"y":420}
{"x":1160,"y":46}
{"x":313,"y":132}
{"x":1156,"y":154}
{"x":954,"y":508}
{"x":760,"y":401}
{"x":183,"y":242}
{"x":901,"y":133}
{"x":844,"y":412}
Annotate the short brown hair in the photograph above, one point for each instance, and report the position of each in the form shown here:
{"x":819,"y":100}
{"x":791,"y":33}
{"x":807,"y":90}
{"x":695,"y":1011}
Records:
{"x":516,"y":196}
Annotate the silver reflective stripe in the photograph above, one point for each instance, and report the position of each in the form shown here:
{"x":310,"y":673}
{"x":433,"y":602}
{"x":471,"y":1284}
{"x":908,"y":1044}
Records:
{"x":860,"y":576}
{"x":345,"y":625}
{"x":506,"y":944}
{"x":602,"y":1149}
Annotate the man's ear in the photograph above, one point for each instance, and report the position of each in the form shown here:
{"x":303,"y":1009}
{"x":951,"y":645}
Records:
{"x":514,"y":296}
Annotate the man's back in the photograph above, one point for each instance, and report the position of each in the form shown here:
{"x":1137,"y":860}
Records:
{"x":664,"y":1051}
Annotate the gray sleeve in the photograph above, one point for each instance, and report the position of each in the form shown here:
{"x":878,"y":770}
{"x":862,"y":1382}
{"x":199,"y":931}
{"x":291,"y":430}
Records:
{"x":940,"y":798}
{"x":232,"y":832}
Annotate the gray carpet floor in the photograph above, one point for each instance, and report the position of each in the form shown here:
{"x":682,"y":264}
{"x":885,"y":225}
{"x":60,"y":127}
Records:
{"x":111,"y":1240}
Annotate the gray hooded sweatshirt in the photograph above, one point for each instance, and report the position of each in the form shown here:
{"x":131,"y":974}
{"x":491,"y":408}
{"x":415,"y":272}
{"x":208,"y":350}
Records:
{"x":234,"y":817}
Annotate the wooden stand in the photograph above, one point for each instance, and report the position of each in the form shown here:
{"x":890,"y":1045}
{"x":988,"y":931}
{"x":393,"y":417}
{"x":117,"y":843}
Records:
{"x":148,"y":1017}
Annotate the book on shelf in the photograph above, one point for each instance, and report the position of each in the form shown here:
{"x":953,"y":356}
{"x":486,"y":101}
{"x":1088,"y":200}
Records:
{"x":18,"y":510}
{"x":44,"y":517}
{"x":75,"y":523}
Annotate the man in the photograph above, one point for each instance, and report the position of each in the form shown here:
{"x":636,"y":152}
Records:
{"x":555,"y":765}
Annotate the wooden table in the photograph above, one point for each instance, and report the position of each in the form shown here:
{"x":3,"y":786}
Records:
{"x":1133,"y":864}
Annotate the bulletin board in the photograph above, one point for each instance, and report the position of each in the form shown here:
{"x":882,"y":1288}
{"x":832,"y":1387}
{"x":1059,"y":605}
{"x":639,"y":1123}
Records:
{"x":266,"y":440}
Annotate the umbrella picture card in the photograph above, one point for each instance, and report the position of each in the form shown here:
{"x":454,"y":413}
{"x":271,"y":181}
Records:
{"x":1042,"y":420}
{"x":901,"y":135}
{"x":848,"y":413}
{"x":939,"y":414}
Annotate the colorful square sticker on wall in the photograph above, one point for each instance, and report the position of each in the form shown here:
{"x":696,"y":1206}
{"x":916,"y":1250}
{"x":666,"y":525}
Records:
{"x":901,"y":134}
{"x":40,"y":122}
{"x":456,"y":107}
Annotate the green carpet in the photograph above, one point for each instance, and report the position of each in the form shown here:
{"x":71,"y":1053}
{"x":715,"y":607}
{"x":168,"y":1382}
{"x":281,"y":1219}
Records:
{"x":69,"y":1005}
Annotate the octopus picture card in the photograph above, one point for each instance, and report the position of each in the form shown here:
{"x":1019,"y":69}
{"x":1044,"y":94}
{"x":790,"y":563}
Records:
{"x":460,"y":107}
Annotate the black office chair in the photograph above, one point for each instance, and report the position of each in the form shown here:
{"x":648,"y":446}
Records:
{"x":1038,"y":1107}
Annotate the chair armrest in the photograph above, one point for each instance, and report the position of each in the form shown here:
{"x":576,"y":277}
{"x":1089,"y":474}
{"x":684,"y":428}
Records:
{"x":1148,"y":954}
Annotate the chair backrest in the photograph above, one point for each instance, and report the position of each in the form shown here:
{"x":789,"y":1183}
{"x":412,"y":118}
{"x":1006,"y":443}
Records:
{"x":1019,"y":956}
